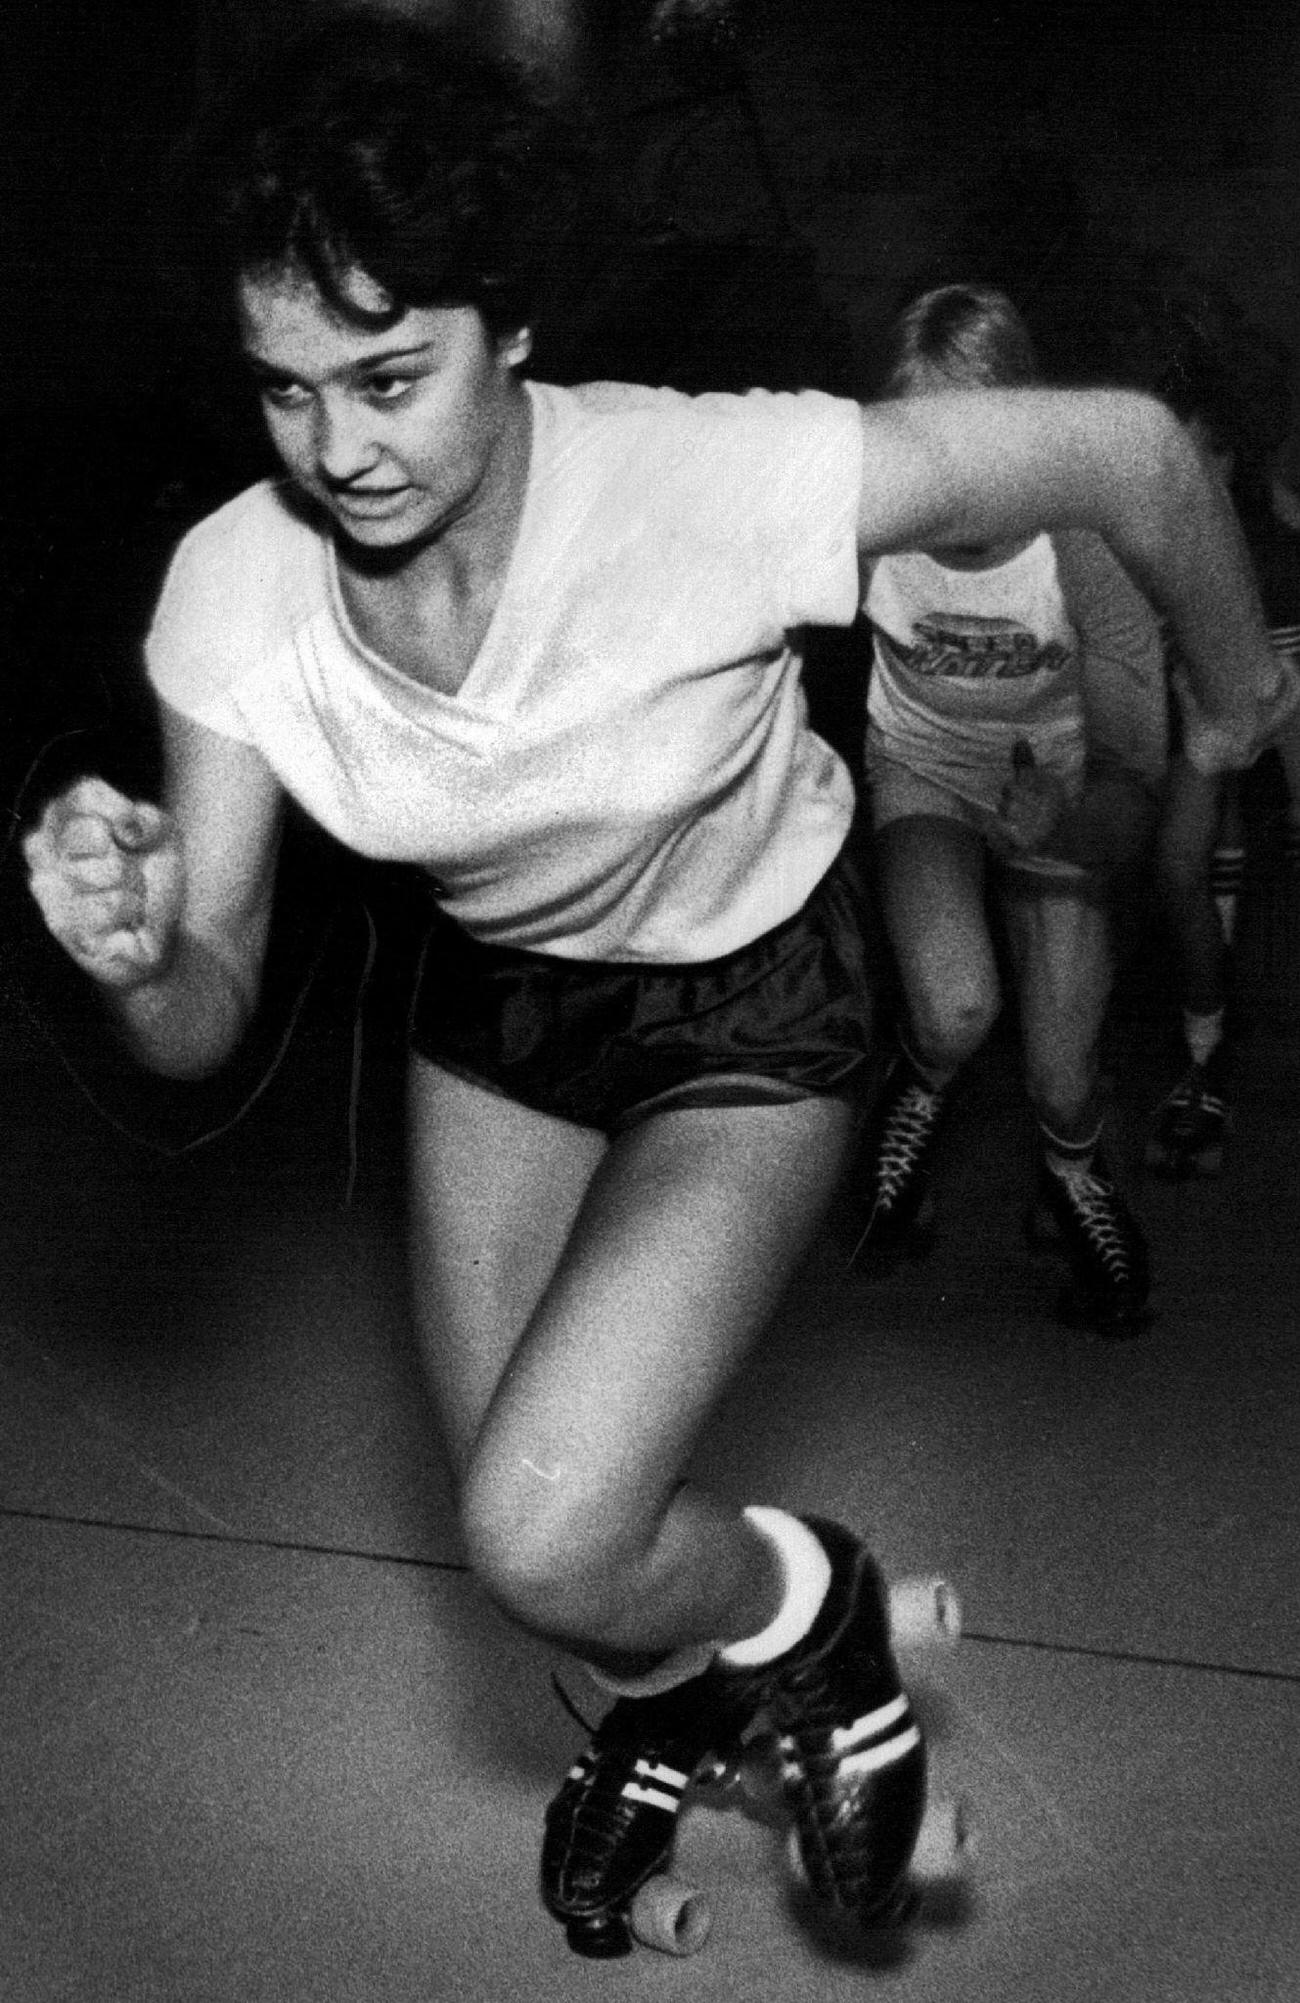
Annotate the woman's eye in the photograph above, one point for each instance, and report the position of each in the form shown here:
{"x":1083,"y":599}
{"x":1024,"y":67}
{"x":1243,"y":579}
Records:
{"x":282,"y":396}
{"x":387,"y":389}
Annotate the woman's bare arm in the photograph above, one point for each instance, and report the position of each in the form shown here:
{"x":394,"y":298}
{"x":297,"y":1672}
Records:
{"x":167,"y":909}
{"x":980,"y":466}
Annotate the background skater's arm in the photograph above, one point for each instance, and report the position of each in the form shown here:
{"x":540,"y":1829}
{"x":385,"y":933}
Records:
{"x":1123,"y":656}
{"x":167,"y":909}
{"x":945,"y":471}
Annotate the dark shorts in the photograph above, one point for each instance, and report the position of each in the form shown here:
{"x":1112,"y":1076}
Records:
{"x":605,"y":1045}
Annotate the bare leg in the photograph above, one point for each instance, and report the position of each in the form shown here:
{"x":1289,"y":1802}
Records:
{"x":1189,"y":828}
{"x":932,"y":892}
{"x":931,"y":871}
{"x":582,"y":1306}
{"x":1060,"y":945}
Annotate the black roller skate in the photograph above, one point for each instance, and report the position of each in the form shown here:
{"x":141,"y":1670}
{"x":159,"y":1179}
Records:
{"x":1191,"y":1124}
{"x":1086,"y":1218}
{"x":899,"y":1153}
{"x":852,"y":1758}
{"x":611,"y":1828}
{"x":829,"y":1720}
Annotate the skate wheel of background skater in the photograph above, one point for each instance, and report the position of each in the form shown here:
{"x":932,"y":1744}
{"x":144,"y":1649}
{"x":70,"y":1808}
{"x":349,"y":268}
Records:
{"x":670,"y":1916}
{"x":924,"y":1613}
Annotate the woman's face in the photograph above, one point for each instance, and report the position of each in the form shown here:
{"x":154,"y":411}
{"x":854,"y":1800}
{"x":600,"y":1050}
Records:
{"x":397,"y":434}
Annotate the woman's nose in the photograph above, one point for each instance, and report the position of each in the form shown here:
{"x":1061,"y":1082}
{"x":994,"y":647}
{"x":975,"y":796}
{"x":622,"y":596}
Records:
{"x":344,"y":445}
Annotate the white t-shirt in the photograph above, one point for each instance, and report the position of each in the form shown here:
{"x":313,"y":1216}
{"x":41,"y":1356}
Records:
{"x":965,"y":662}
{"x":626,"y":772}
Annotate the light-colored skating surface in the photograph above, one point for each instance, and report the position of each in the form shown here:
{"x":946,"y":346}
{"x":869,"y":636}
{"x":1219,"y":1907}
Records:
{"x":263,"y":1741}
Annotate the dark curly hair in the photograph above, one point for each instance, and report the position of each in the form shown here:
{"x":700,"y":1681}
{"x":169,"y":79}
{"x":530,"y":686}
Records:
{"x":374,"y":145}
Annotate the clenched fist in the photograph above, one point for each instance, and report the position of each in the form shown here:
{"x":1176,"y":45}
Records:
{"x":108,"y":875}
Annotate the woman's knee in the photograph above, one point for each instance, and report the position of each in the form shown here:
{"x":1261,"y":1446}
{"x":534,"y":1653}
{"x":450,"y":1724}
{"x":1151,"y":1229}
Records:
{"x":557,"y":1556}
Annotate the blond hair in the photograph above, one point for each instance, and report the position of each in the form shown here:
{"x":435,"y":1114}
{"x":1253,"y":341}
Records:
{"x":958,"y":337}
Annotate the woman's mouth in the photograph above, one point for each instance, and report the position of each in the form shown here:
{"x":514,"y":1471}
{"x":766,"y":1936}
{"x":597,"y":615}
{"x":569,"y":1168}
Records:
{"x":369,"y":503}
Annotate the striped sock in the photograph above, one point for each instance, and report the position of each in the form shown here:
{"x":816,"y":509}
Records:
{"x":1227,"y":873}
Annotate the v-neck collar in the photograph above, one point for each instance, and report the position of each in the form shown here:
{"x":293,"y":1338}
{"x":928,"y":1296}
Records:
{"x":467,"y":696}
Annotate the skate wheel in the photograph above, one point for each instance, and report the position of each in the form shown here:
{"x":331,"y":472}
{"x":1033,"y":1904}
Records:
{"x":924,"y":1612}
{"x":946,"y":1839}
{"x":671,"y":1917}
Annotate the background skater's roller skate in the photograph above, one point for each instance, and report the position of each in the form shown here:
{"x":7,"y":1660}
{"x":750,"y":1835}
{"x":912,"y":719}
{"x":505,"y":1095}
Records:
{"x":821,"y":1741}
{"x":898,"y":1155}
{"x":1085,"y":1217}
{"x":1190,"y":1126}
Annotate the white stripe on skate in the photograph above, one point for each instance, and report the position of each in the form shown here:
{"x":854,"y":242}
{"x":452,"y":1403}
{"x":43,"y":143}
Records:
{"x":657,"y":1785}
{"x":846,"y":1737}
{"x":653,"y":1797}
{"x":860,"y":1747}
{"x":872,"y":1758}
{"x":670,"y":1777}
{"x":869,"y":1760}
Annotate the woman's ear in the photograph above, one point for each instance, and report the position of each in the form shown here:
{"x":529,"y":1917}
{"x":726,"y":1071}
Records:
{"x":516,"y":348}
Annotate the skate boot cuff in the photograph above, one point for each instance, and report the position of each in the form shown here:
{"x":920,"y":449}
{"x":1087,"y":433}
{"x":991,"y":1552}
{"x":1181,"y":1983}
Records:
{"x":806,"y":1577}
{"x":681,"y":1666}
{"x":1067,"y":1158}
{"x":936,"y":1078}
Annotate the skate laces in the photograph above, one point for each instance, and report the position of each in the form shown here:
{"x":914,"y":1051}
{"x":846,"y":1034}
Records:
{"x":907,"y":1130}
{"x":620,"y":1789}
{"x":632,"y":1760}
{"x":1096,"y":1208}
{"x":570,"y":1706}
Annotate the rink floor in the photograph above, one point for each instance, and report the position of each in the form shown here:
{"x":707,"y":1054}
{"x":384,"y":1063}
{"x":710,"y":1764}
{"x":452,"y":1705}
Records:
{"x":264,"y":1743}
